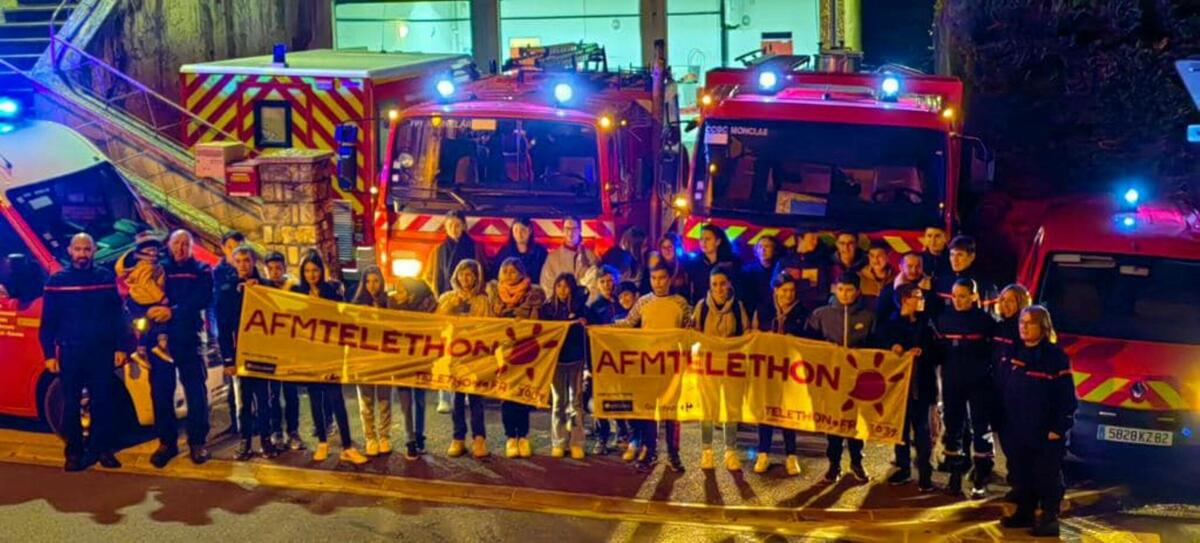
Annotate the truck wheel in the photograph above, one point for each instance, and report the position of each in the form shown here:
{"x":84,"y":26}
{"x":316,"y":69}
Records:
{"x":53,"y":406}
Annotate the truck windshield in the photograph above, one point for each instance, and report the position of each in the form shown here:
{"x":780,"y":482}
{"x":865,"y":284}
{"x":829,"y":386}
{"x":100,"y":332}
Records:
{"x":1124,"y":297}
{"x":95,"y":200}
{"x":824,"y":173}
{"x":501,"y":162}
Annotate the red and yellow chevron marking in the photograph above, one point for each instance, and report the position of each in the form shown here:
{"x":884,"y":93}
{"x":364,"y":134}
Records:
{"x":900,"y":241}
{"x":499,"y":226}
{"x":319,"y":105}
{"x":1162,"y":394}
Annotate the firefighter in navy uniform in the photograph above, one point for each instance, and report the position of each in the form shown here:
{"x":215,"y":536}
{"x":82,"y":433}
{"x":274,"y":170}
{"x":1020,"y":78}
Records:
{"x":962,"y":266}
{"x":962,"y":339}
{"x":1005,"y":338}
{"x":253,"y":393}
{"x":189,"y":289}
{"x":83,"y":338}
{"x":1039,"y":405}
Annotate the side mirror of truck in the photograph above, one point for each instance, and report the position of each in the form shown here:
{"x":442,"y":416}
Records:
{"x":978,"y":163}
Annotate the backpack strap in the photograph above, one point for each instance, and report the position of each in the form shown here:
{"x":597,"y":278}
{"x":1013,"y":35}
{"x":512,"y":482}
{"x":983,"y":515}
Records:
{"x":703,"y":314}
{"x":737,"y":318}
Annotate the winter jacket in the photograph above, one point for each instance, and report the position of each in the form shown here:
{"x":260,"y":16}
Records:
{"x":837,"y":268}
{"x":720,"y":320}
{"x":625,"y":262}
{"x":1038,"y":397}
{"x":190,"y":292}
{"x":870,"y":287}
{"x":574,"y":347}
{"x":420,"y":298}
{"x":605,"y":311}
{"x":82,"y":309}
{"x":767,"y":319}
{"x":849,"y":326}
{"x":577,"y":261}
{"x":534,"y":259}
{"x":444,"y":260}
{"x":654,"y":312}
{"x":756,"y":283}
{"x":963,"y":346}
{"x":461,"y":302}
{"x":914,"y":333}
{"x":936,"y":265}
{"x":529,"y":307}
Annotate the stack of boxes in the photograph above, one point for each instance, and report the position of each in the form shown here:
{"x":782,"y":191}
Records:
{"x":297,"y":194}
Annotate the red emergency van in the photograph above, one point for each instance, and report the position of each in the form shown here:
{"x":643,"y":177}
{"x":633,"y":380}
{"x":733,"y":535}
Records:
{"x":1120,"y":278}
{"x":53,"y":184}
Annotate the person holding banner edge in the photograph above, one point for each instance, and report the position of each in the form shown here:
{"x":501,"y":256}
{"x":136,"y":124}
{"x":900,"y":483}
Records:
{"x":720,"y":314}
{"x":606,"y":309}
{"x":567,"y":303}
{"x":374,"y":399}
{"x":783,"y":314}
{"x":285,"y":397}
{"x":466,"y":298}
{"x":849,"y":323}
{"x":313,"y":283}
{"x":907,"y":331}
{"x":514,"y":295}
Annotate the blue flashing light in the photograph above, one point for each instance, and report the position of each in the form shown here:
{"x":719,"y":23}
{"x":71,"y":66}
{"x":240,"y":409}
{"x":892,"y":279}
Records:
{"x":1131,"y":196}
{"x":6,"y":128}
{"x":890,"y":85}
{"x":563,"y":93}
{"x":1186,"y":431}
{"x":768,"y":80}
{"x":10,"y":108}
{"x":445,"y":88}
{"x":1128,"y":221}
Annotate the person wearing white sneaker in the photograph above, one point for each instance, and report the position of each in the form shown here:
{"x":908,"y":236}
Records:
{"x":567,"y":304}
{"x":514,"y":295}
{"x":412,"y":294}
{"x":781,"y":313}
{"x":466,"y":298}
{"x":314,"y":284}
{"x":374,"y":399}
{"x":720,"y":314}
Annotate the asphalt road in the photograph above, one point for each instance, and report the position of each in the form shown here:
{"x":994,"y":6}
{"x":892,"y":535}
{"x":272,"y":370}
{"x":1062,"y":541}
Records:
{"x":45,"y":504}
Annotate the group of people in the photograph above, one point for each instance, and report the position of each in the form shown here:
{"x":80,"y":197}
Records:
{"x":985,"y":363}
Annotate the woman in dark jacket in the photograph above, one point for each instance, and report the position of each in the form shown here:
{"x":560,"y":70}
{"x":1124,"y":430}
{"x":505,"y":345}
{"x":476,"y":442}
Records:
{"x":523,"y":246}
{"x":1039,"y":406}
{"x":715,"y":251}
{"x":567,"y":303}
{"x":313,"y":283}
{"x":670,"y":254}
{"x":784,"y":314}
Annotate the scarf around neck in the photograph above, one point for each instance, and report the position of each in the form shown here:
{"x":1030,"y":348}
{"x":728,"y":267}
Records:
{"x":512,"y":294}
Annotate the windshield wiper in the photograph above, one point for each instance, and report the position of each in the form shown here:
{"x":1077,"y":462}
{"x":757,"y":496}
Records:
{"x":466,"y":204}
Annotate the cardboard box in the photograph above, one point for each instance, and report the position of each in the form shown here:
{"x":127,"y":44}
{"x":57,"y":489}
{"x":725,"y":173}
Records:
{"x":213,"y":157}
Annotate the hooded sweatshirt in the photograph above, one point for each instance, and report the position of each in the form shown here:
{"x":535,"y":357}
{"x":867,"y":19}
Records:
{"x":727,"y":319}
{"x":788,"y":321}
{"x":461,"y":302}
{"x":575,"y":345}
{"x":446,"y":257}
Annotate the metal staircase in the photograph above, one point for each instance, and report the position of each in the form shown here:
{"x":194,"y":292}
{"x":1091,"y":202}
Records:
{"x":138,"y":128}
{"x":24,"y":36}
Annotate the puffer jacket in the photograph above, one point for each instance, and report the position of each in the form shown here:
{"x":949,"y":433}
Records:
{"x":848,"y":326}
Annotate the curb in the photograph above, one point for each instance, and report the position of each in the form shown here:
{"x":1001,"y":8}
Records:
{"x":18,"y":447}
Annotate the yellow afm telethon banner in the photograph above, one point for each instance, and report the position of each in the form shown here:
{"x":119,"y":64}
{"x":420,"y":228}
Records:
{"x":292,"y":337}
{"x":759,"y":378}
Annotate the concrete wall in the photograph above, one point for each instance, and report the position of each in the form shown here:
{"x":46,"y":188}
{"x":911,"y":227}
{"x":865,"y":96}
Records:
{"x":151,"y":39}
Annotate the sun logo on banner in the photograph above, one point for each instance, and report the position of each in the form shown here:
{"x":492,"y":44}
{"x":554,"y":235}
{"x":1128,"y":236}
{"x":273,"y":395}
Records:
{"x":523,"y":351}
{"x":870,"y":385}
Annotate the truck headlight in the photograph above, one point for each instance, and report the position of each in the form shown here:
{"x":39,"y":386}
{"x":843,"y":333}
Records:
{"x":406,"y":267}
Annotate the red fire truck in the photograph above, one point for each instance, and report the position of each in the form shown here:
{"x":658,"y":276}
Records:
{"x":1120,"y":279}
{"x":54,"y":184}
{"x":783,"y":147}
{"x":555,"y":134}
